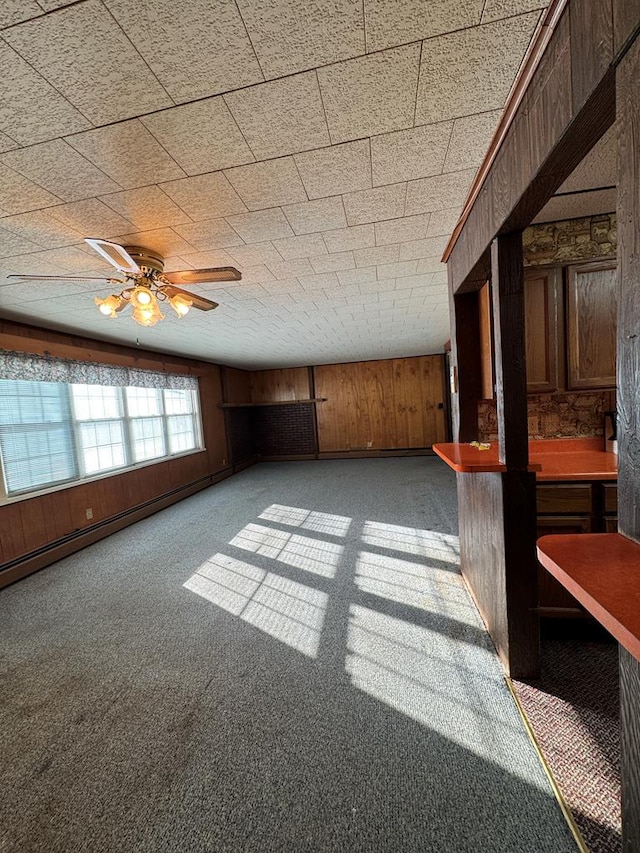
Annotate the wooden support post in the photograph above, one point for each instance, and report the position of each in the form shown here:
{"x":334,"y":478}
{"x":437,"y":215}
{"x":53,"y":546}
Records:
{"x":465,"y":359}
{"x":507,"y":287}
{"x":628,"y":107}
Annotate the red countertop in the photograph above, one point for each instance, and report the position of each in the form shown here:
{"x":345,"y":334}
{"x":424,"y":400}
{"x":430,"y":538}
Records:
{"x":551,"y":459}
{"x":601,"y":570}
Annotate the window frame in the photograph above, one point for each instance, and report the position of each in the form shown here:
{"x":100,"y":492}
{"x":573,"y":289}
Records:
{"x":125,"y":419}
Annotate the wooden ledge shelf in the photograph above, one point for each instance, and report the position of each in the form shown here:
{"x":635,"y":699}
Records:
{"x":272,"y":403}
{"x":602,"y":571}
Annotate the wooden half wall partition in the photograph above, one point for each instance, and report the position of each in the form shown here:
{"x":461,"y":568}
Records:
{"x":39,"y":530}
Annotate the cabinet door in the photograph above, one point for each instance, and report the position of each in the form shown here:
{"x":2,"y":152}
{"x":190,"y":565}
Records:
{"x":542,"y":306}
{"x":591,"y":325}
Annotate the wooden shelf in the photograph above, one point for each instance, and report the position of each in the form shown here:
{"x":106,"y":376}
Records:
{"x":272,"y":403}
{"x":602,"y":571}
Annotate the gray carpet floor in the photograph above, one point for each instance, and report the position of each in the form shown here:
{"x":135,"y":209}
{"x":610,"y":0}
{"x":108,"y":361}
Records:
{"x":288,"y":661}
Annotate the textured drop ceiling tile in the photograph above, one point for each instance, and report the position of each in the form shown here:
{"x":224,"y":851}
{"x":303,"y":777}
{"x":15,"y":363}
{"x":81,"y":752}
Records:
{"x":34,"y":264}
{"x":433,"y":265}
{"x":194,"y":47}
{"x":372,"y":94}
{"x":13,"y":244}
{"x":322,"y":214}
{"x":357,"y":276}
{"x":298,"y":35}
{"x":443,"y":222}
{"x":201,"y":137}
{"x":14,"y":11}
{"x":403,"y":268}
{"x":440,"y":191}
{"x":472,"y":70}
{"x":269,"y":184}
{"x":85,"y":55}
{"x":258,"y":253}
{"x":422,"y":248}
{"x":6,"y":144}
{"x":333,"y":263}
{"x":261,"y":225}
{"x":598,"y":168}
{"x":209,"y":259}
{"x":285,"y":270}
{"x":335,"y":170}
{"x":147,"y":208}
{"x":377,"y":255}
{"x":390,"y":22}
{"x":91,"y":218}
{"x":470,"y":140}
{"x":306,"y":246}
{"x":402,"y":230}
{"x":345,"y":239}
{"x":50,"y":5}
{"x":378,"y":203}
{"x":315,"y":283}
{"x":408,"y":154}
{"x":281,"y":117}
{"x":128,"y":153}
{"x":495,"y":9}
{"x":18,"y":194}
{"x":71,"y":259}
{"x":30,"y":109}
{"x":205,"y":196}
{"x":163,"y":240}
{"x":210,"y":234}
{"x":576,"y":206}
{"x":60,"y":169}
{"x":42,"y":229}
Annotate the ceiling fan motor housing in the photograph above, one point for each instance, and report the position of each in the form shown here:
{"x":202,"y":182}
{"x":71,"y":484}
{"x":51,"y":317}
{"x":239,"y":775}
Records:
{"x":147,"y":259}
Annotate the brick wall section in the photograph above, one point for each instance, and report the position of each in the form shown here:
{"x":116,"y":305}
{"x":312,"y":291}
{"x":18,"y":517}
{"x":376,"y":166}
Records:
{"x":284,"y":430}
{"x":240,"y":432}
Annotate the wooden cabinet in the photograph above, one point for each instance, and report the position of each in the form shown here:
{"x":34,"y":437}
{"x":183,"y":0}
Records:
{"x":587,"y":507}
{"x":591,"y":325}
{"x":543,"y":329}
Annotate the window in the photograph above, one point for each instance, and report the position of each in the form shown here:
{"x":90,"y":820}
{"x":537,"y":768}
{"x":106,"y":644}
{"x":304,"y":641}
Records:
{"x":52,"y":433}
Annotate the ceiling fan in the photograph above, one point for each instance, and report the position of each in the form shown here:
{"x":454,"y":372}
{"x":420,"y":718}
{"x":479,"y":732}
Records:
{"x":146,"y":285}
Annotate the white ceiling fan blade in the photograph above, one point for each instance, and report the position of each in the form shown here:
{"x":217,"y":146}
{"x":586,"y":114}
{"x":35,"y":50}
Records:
{"x":115,"y":254}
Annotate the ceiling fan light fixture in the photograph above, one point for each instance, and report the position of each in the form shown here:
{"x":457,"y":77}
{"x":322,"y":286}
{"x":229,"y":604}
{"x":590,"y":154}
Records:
{"x":142,"y":297}
{"x":148,"y":316}
{"x":180,"y":304}
{"x":110,"y":305}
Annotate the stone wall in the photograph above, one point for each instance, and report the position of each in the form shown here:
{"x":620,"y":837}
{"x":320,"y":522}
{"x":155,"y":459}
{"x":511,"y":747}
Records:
{"x":570,"y":241}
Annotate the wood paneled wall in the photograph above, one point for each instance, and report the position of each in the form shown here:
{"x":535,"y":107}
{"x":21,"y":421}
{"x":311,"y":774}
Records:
{"x":35,"y":523}
{"x":275,"y":386}
{"x":374,"y":405}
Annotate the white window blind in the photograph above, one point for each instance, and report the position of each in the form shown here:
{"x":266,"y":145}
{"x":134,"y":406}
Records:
{"x":54,"y":433}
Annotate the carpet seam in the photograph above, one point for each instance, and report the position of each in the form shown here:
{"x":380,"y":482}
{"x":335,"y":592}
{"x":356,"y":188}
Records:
{"x":566,"y":811}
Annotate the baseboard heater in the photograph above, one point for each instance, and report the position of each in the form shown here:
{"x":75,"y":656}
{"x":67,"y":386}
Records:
{"x":64,"y":546}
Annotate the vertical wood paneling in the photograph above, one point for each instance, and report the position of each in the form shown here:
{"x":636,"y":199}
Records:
{"x":507,"y":286}
{"x":380,"y":404}
{"x":465,"y":354}
{"x":591,"y":46}
{"x":626,"y":19}
{"x":628,"y":211}
{"x":542,"y":296}
{"x":270,"y":386}
{"x":486,"y":346}
{"x":213,"y":420}
{"x":630,"y":749}
{"x":236,"y":385}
